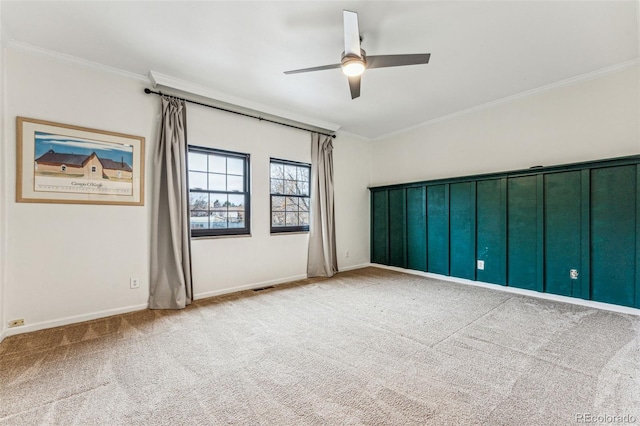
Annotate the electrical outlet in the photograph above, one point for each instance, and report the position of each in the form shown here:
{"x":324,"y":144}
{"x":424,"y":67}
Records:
{"x":134,"y":283}
{"x":481,"y":265}
{"x":16,"y":323}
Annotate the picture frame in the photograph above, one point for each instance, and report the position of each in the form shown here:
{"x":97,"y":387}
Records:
{"x":62,"y":163}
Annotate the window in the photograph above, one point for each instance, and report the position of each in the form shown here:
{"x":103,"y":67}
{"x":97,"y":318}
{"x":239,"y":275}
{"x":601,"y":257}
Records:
{"x":218,"y":192}
{"x":94,"y":169}
{"x":289,"y":196}
{"x":63,"y":168}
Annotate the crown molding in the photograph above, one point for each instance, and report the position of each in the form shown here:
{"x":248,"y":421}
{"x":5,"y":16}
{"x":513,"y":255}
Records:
{"x":353,"y":136}
{"x":159,"y":79}
{"x":40,"y":51}
{"x":562,"y":83}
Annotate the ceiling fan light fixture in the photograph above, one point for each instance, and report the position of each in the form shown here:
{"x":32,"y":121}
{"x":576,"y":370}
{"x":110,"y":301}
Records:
{"x":353,"y":67}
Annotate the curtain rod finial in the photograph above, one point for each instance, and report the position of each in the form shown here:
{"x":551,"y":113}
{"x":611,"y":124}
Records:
{"x":147,"y":90}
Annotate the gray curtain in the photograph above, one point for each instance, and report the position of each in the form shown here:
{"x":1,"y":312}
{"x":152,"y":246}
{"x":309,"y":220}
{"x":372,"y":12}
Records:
{"x":322,"y":260}
{"x":170,"y":286}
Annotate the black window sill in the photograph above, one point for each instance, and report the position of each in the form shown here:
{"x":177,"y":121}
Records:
{"x":290,"y":230}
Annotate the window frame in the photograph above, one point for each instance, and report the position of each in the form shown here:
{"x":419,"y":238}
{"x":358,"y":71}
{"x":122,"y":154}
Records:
{"x":287,"y":229}
{"x":217,"y":232}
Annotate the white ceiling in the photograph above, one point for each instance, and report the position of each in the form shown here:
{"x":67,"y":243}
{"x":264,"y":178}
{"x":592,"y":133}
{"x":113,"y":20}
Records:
{"x":481,"y":51}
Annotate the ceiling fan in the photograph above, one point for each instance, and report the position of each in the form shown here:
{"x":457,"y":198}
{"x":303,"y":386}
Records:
{"x":355,"y":61}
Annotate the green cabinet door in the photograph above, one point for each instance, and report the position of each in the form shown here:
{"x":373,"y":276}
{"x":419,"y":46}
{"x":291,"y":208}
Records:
{"x":613,"y":234}
{"x":380,"y":227}
{"x":438,"y":229}
{"x":417,"y":228}
{"x":462,"y":228}
{"x":563,"y":233}
{"x":522,"y":233}
{"x":397,"y":228}
{"x":491,"y":240}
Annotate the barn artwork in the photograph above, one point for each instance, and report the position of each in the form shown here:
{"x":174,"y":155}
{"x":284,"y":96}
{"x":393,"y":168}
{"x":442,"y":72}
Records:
{"x":69,"y":164}
{"x":60,"y":163}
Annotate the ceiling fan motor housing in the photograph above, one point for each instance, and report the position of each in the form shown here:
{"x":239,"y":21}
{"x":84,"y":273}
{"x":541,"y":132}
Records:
{"x":353,"y":65}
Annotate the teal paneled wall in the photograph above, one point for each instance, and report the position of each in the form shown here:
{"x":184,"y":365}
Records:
{"x":522,"y":233}
{"x":563,"y":233}
{"x":491,"y":228}
{"x":530,"y":228}
{"x":397,"y":228}
{"x":438,"y":229}
{"x":417,"y":228}
{"x":462,"y":228}
{"x":613,"y":235}
{"x":380,"y":227}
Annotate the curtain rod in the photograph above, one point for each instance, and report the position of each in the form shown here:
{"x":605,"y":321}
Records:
{"x":149,"y":91}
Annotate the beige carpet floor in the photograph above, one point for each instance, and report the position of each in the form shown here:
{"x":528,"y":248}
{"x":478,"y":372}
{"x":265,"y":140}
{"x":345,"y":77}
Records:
{"x":365,"y":347}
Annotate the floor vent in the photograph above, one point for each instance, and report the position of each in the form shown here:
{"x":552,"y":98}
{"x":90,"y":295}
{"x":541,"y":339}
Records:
{"x":262,"y":288}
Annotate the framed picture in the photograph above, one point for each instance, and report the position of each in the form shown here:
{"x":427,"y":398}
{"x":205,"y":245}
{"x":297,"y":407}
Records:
{"x":59,"y":163}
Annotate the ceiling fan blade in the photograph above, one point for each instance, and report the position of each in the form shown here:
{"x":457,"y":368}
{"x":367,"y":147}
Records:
{"x":351,"y":33}
{"x":354,"y":86}
{"x":383,"y":61}
{"x":324,"y":67}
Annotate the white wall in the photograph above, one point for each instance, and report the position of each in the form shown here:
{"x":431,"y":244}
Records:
{"x":589,"y":120}
{"x":352,"y":167}
{"x":221,"y":264}
{"x":67,"y":263}
{"x":237,"y":262}
{"x":3,"y":183}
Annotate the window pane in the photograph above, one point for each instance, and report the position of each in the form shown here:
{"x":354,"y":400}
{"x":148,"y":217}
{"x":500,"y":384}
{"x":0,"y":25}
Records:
{"x":217,"y":164}
{"x":277,"y":171}
{"x":218,"y":219}
{"x":292,"y":204}
{"x":199,"y":219}
{"x":198,"y":201}
{"x":235,"y":183}
{"x":303,"y":188}
{"x":236,"y":217}
{"x":290,"y":172}
{"x":304,"y":204}
{"x":289,"y":195}
{"x":198,"y":180}
{"x":277,"y":204}
{"x":304,"y":219}
{"x":235,"y":166}
{"x":217,"y":182}
{"x":303,"y":174}
{"x":277,"y":186}
{"x":291,"y":187}
{"x":236,"y":201}
{"x":218,"y":192}
{"x":197,"y":161}
{"x":277,"y":219}
{"x":217,"y":201}
{"x":292,"y":219}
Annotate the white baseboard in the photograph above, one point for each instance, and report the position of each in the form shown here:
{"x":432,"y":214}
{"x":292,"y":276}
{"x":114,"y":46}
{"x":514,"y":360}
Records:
{"x":352,"y":267}
{"x":110,"y":312}
{"x":70,"y":320}
{"x":267,"y":283}
{"x":252,"y":286}
{"x":107,"y":313}
{"x":532,"y":293}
